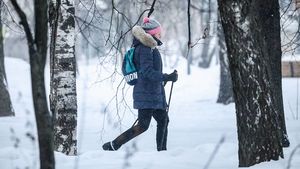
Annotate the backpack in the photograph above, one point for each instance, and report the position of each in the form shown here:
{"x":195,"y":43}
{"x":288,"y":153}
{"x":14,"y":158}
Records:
{"x":129,"y":69}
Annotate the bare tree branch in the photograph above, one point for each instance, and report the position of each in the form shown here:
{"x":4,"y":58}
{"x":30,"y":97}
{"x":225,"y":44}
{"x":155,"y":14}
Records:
{"x":291,"y":156}
{"x":25,"y":24}
{"x":152,"y":8}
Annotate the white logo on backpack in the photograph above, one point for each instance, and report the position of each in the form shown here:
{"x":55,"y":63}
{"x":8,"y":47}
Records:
{"x":131,"y":76}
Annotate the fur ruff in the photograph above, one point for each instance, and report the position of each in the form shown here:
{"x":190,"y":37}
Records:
{"x":145,"y":38}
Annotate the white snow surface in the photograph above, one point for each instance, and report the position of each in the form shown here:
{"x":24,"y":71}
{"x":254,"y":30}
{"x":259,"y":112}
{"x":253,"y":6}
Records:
{"x":197,"y":123}
{"x":291,"y":58}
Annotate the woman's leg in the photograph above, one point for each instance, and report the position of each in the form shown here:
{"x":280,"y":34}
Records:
{"x":144,"y":119}
{"x":162,"y":119}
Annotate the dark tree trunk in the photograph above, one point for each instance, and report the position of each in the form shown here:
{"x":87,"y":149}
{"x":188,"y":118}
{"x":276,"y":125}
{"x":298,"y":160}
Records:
{"x":225,"y":90}
{"x":63,"y":96}
{"x":189,"y":51}
{"x":6,"y":108}
{"x":273,"y":42}
{"x":37,"y":62}
{"x":247,"y":26}
{"x":37,"y":53}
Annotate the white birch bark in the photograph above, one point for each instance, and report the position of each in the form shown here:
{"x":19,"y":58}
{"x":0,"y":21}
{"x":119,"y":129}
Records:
{"x":63,"y":80}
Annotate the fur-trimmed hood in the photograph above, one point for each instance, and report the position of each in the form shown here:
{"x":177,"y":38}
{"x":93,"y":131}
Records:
{"x":145,"y":38}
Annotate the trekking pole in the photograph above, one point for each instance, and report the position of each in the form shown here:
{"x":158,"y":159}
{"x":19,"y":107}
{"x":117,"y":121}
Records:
{"x":167,"y":111}
{"x":135,"y":122}
{"x":171,"y":91}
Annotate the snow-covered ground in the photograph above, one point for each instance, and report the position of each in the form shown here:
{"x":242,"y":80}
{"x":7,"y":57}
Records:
{"x":197,"y":124}
{"x":291,"y":58}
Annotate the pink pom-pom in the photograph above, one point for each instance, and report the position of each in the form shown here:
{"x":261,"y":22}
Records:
{"x":146,"y":20}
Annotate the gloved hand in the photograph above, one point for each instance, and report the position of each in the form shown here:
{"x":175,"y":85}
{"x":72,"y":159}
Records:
{"x":171,"y":77}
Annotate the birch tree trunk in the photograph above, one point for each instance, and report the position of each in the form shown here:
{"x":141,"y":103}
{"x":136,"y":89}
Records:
{"x":63,"y":95}
{"x":37,"y":52}
{"x":225,"y":89}
{"x":6,"y":108}
{"x":246,"y":24}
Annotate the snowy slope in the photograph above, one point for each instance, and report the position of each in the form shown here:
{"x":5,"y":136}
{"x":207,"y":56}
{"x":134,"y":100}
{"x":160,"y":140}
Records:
{"x":196,"y":126}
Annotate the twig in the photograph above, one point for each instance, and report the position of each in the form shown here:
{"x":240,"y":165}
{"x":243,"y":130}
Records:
{"x":151,"y":9}
{"x":123,"y":34}
{"x":222,"y":140}
{"x":291,"y":156}
{"x":87,"y":15}
{"x":5,"y":19}
{"x":285,"y":11}
{"x":204,"y":36}
{"x":293,"y":114}
{"x":24,"y":23}
{"x":111,"y":20}
{"x":297,"y":100}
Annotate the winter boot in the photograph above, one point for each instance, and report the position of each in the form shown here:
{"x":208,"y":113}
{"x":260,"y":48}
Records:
{"x":110,"y":146}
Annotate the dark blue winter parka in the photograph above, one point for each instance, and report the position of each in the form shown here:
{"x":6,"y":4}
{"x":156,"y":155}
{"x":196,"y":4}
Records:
{"x":148,"y":92}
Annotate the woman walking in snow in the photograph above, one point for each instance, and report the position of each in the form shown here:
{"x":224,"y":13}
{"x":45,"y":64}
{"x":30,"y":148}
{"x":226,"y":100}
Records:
{"x":148,"y":93}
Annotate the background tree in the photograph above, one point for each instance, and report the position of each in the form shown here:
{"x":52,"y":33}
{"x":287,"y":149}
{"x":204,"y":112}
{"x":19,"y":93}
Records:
{"x":248,"y":26}
{"x":206,"y":56}
{"x":37,"y":47}
{"x":225,"y":90}
{"x":6,"y":108}
{"x":189,"y":55}
{"x":63,"y":97}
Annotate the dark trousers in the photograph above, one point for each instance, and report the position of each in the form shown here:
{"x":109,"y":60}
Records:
{"x":144,"y":119}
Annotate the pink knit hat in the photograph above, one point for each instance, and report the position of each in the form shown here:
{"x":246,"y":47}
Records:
{"x":151,"y":26}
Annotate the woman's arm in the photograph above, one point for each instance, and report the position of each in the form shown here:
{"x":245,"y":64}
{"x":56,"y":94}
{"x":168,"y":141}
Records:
{"x":147,"y":70}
